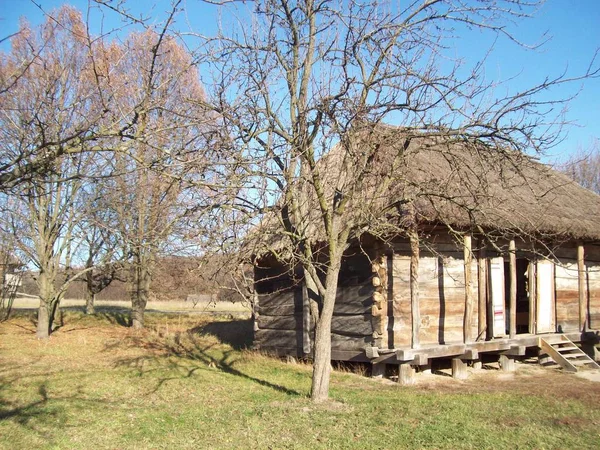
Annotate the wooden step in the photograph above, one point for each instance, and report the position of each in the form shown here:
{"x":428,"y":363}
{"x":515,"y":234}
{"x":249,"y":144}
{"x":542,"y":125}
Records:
{"x":566,"y":354}
{"x":565,"y":349}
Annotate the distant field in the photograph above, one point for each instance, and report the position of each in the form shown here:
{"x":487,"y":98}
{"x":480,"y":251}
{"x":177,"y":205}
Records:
{"x":187,"y":381}
{"x":171,"y":306}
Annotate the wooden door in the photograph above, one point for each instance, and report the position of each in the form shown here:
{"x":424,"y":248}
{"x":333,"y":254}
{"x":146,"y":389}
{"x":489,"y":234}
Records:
{"x":545,"y":301}
{"x":496,"y":292}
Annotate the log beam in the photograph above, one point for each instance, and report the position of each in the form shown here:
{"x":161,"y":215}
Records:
{"x":583,"y":298}
{"x":468,"y":316}
{"x":532,"y":296}
{"x":482,"y":292}
{"x":512,"y":261}
{"x":414,"y":289}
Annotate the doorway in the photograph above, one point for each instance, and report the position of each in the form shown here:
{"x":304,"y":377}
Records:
{"x":523,"y":297}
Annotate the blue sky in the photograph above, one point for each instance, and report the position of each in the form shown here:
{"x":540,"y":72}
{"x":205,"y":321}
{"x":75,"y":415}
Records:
{"x":573,"y":28}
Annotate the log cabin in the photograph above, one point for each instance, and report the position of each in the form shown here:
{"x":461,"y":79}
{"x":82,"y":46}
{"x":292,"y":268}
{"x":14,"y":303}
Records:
{"x":503,"y":258}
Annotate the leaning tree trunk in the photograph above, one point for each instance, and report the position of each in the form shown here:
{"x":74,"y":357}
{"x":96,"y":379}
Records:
{"x":319,"y":391}
{"x":139,"y":296}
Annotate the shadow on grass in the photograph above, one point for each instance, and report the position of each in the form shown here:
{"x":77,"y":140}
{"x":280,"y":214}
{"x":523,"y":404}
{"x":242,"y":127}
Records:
{"x":236,"y":333}
{"x":45,"y":416}
{"x":114,"y":316}
{"x":24,"y":414}
{"x":190,"y":347}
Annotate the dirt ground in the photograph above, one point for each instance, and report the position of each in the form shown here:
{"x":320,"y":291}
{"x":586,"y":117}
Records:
{"x":529,"y":378}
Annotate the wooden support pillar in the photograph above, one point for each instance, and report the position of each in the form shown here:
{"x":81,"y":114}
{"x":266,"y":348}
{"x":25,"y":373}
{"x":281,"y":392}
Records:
{"x":468,"y":316}
{"x":378,"y":370}
{"x":459,"y":369}
{"x":512,"y":261}
{"x":583,"y":297}
{"x":406,"y":374}
{"x":590,"y":349}
{"x":414,"y":288}
{"x":532,"y":296}
{"x":507,"y":363}
{"x":482,"y":291}
{"x":544,"y":360}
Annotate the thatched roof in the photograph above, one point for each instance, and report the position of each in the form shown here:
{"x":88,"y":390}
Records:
{"x":454,"y":181}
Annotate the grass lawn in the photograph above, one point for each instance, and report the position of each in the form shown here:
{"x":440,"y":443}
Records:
{"x":187,"y":382}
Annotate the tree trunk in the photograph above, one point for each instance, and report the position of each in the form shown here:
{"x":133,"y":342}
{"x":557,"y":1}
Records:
{"x":48,"y":306}
{"x":90,"y":296}
{"x":43,"y":323}
{"x":139,"y":296}
{"x":319,"y":391}
{"x":322,"y":357}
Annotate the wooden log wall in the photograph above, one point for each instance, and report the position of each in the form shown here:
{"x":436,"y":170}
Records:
{"x":280,"y":316}
{"x":354,"y":325}
{"x":442,"y":294}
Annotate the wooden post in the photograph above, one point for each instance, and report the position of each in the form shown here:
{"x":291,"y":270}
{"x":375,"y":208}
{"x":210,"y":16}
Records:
{"x":482,"y":291}
{"x":532,"y":296}
{"x":406,"y":374}
{"x":512,"y":254}
{"x":468,"y":316}
{"x":414,"y":289}
{"x":459,"y":369}
{"x":583,"y":323}
{"x":507,"y":363}
{"x":378,"y":370}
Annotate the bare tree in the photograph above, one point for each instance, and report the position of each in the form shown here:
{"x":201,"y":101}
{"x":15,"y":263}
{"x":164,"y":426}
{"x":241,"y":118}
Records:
{"x":299,"y":78}
{"x":49,"y":103}
{"x":49,"y":120}
{"x":99,"y":245}
{"x":164,"y":176}
{"x":584,"y":167}
{"x":82,"y":98}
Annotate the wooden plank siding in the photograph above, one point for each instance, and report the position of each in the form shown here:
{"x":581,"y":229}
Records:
{"x":442,"y":296}
{"x":566,"y":279}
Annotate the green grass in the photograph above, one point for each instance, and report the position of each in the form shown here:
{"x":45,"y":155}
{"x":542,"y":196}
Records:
{"x":188,"y":383}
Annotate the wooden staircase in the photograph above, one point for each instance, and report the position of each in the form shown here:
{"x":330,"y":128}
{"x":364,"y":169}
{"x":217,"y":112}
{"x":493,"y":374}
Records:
{"x":566,"y":354}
